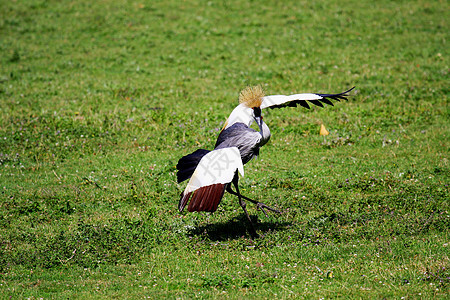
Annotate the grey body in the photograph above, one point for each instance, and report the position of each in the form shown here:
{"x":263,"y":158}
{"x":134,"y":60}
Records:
{"x":246,"y":139}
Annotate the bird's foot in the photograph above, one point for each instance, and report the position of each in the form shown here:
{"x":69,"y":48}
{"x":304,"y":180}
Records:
{"x":262,"y":207}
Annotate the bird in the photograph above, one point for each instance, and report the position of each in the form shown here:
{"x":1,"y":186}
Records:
{"x":212,"y":172}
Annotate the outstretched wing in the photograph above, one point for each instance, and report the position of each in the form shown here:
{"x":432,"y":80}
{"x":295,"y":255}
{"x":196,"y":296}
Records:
{"x":208,"y":182}
{"x":277,"y":101}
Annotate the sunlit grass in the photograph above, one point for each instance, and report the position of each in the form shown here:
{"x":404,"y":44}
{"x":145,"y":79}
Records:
{"x":99,"y":101}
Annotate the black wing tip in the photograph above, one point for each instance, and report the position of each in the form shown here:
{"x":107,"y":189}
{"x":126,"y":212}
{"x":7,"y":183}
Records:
{"x":316,"y":102}
{"x":349,"y":90}
{"x":325,"y":97}
{"x":339,"y":96}
{"x":304,"y":103}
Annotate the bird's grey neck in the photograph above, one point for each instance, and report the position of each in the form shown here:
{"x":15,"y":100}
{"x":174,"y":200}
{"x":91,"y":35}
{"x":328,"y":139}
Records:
{"x":265,"y":133}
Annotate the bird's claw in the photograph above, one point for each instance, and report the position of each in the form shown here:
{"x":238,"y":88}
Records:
{"x":261,"y":206}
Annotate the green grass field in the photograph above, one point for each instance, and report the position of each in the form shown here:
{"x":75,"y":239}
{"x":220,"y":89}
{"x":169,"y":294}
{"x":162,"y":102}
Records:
{"x":99,"y":100}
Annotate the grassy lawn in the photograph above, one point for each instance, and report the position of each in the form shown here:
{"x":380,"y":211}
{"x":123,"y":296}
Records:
{"x":99,"y":100}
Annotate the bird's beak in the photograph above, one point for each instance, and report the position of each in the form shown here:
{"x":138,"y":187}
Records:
{"x":259,"y":121}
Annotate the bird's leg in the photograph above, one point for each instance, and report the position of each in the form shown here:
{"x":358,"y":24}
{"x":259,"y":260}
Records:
{"x":259,"y":205}
{"x":243,"y":205}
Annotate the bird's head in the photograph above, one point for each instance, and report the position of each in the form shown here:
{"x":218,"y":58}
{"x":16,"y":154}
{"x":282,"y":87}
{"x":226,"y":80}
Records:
{"x":252,"y":97}
{"x":249,"y":108}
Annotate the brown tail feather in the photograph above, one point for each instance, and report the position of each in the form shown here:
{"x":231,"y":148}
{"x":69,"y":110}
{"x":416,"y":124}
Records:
{"x":199,"y":199}
{"x":209,"y":205}
{"x":204,"y":205}
{"x":214,"y":196}
{"x":206,"y":198}
{"x":217,"y":196}
{"x":197,"y":195}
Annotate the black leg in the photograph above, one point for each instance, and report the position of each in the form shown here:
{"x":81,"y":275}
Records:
{"x":243,"y":205}
{"x":259,"y":205}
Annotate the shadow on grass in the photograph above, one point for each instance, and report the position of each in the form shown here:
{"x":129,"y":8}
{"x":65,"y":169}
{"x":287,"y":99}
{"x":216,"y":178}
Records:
{"x":237,"y":227}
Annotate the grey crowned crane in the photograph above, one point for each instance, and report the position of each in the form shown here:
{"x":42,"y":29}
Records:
{"x":211,"y":173}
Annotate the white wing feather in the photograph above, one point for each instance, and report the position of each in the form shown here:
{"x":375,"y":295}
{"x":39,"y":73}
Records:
{"x":218,"y":166}
{"x":281,"y":99}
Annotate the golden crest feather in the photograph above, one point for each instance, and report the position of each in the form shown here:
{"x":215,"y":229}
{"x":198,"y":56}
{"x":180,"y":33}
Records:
{"x":251,"y":96}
